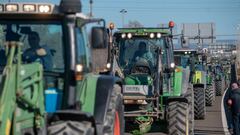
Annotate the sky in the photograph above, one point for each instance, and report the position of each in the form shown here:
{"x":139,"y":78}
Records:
{"x":225,"y":13}
{"x":150,"y":13}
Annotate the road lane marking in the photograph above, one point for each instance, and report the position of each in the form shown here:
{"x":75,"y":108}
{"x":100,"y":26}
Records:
{"x":224,"y":120}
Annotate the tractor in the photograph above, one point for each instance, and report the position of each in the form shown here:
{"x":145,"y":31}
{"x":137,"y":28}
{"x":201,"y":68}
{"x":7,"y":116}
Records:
{"x":47,"y":83}
{"x":201,"y":78}
{"x":219,"y":78}
{"x":153,"y":88}
{"x":210,"y":91}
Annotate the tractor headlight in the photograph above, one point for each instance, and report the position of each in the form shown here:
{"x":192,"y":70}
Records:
{"x":79,"y":67}
{"x":29,"y":8}
{"x":108,"y":65}
{"x":79,"y":72}
{"x":159,"y":35}
{"x":172,"y":65}
{"x":129,"y":35}
{"x":44,"y":8}
{"x":151,"y":35}
{"x":11,"y":7}
{"x":123,"y":35}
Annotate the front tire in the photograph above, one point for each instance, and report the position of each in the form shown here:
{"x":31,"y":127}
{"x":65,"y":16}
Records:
{"x":219,"y":88}
{"x":199,"y":103}
{"x":178,"y":121}
{"x":209,"y":95}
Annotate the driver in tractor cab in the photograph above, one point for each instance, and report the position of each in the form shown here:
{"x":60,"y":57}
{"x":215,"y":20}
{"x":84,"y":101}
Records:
{"x":38,"y":52}
{"x":142,"y":52}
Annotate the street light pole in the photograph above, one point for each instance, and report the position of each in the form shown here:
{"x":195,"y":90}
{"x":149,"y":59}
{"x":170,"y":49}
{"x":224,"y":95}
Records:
{"x":91,"y":8}
{"x":123,"y":12}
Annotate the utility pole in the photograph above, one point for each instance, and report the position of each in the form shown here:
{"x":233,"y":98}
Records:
{"x":91,"y":8}
{"x":123,"y":12}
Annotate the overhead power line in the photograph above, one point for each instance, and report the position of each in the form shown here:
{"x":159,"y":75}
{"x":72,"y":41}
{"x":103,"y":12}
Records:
{"x":151,"y":10}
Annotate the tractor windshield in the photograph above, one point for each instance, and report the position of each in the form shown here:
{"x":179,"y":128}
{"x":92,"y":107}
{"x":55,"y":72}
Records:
{"x":42,"y":42}
{"x":181,"y":60}
{"x":139,"y":49}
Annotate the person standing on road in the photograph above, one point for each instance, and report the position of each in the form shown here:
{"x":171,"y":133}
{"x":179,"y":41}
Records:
{"x":234,"y":102}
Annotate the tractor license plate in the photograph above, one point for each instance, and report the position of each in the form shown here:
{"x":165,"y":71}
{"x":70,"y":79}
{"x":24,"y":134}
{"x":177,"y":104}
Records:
{"x":136,"y":89}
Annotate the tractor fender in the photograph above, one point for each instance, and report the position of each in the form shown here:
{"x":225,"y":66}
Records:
{"x":199,"y":85}
{"x":105,"y":84}
{"x":71,"y":115}
{"x":218,"y":77}
{"x":179,"y":99}
{"x":209,"y":79}
{"x":185,"y":82}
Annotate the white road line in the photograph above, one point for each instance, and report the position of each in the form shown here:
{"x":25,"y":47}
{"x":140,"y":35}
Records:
{"x":224,"y":120}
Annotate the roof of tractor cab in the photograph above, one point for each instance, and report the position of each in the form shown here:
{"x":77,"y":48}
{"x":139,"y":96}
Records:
{"x":39,"y":9}
{"x":184,"y":50}
{"x":144,"y":30}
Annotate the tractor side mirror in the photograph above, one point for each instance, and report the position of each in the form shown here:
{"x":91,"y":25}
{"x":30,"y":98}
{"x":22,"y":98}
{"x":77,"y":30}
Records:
{"x":99,"y":37}
{"x":184,"y":41}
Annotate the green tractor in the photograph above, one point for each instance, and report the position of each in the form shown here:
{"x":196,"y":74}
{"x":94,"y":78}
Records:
{"x":153,"y":88}
{"x":200,"y":77}
{"x":219,"y":79}
{"x":47,"y":85}
{"x":210,"y":91}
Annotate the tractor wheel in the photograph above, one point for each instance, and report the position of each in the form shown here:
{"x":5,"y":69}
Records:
{"x":219,"y":88}
{"x":114,"y":122}
{"x":199,"y":103}
{"x":209,"y":95}
{"x":178,"y":121}
{"x":189,"y":95}
{"x":71,"y":128}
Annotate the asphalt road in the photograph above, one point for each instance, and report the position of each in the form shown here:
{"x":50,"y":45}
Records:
{"x":211,"y":125}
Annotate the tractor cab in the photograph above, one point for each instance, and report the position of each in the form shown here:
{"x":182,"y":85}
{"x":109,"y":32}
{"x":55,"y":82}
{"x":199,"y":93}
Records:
{"x":46,"y":71}
{"x":142,"y":54}
{"x":192,"y":59}
{"x":184,"y":58}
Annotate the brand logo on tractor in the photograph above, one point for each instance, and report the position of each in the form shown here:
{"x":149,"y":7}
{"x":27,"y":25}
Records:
{"x":136,"y":89}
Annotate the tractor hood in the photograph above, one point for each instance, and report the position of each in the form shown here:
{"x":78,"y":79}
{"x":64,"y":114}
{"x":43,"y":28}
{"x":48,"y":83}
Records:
{"x":138,"y":79}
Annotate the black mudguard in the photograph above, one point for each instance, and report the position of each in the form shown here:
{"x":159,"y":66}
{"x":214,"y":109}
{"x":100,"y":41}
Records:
{"x":179,"y":99}
{"x":199,"y":85}
{"x":104,"y":89}
{"x":70,"y":115}
{"x":73,"y":115}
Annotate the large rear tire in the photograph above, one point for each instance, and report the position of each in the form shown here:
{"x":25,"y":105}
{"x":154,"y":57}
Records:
{"x":178,"y":121}
{"x":209,"y":95}
{"x":219,"y":88}
{"x":114,"y":122}
{"x":199,"y":103}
